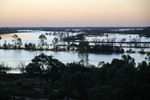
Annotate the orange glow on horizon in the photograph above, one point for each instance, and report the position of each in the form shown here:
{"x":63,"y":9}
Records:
{"x":74,"y":13}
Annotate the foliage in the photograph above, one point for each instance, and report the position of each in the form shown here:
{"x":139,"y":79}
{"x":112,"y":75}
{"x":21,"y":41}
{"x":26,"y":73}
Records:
{"x":8,"y":30}
{"x":42,"y":37}
{"x":17,"y":41}
{"x":43,"y":64}
{"x":4,"y":68}
{"x":146,"y":31}
{"x":30,"y":46}
{"x":105,"y":48}
{"x":21,"y":67}
{"x":55,"y":41}
{"x":83,"y":47}
{"x":119,"y":80}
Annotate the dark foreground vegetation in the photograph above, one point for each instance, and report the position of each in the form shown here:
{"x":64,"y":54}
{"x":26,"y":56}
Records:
{"x":49,"y":79}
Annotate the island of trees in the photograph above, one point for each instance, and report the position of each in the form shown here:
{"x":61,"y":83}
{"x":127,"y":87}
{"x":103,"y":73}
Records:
{"x":67,"y":42}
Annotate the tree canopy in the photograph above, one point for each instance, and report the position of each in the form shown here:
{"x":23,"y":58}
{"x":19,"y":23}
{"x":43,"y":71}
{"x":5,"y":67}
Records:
{"x":118,"y":80}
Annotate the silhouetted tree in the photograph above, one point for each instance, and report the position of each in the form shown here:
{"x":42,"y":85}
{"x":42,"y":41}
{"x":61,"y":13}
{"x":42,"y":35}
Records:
{"x":55,"y":41}
{"x":21,"y":67}
{"x":42,"y":38}
{"x":83,"y":49}
{"x":19,"y":42}
{"x":4,"y":68}
{"x":45,"y":65}
{"x":121,"y":41}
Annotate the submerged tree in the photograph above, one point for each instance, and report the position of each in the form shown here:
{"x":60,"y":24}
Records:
{"x":42,"y":40}
{"x":17,"y":41}
{"x":83,"y":52}
{"x":146,"y":31}
{"x":15,"y":37}
{"x":5,"y":44}
{"x":121,"y":41}
{"x":55,"y":41}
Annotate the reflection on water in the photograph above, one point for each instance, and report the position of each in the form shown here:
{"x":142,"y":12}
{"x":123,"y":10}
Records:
{"x":13,"y":57}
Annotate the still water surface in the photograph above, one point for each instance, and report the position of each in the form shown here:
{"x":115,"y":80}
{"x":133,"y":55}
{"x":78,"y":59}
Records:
{"x":13,"y":57}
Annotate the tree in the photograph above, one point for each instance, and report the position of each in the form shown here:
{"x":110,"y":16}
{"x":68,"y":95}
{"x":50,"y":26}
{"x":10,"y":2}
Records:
{"x":5,"y":44}
{"x":21,"y":67}
{"x":15,"y":36}
{"x":101,"y":93}
{"x":45,"y":65}
{"x":4,"y":68}
{"x":101,"y":63}
{"x":136,"y":41}
{"x":146,"y":31}
{"x":113,"y":40}
{"x":42,"y":40}
{"x":83,"y":49}
{"x":121,"y":41}
{"x":55,"y":41}
{"x":17,"y":41}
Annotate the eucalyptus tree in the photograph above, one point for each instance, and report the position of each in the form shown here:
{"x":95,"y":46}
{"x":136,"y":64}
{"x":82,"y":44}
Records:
{"x":17,"y":41}
{"x":45,"y":66}
{"x":136,"y":41}
{"x":42,"y":38}
{"x":15,"y":37}
{"x":83,"y":49}
{"x":55,"y":42}
{"x":121,"y":41}
{"x":5,"y":44}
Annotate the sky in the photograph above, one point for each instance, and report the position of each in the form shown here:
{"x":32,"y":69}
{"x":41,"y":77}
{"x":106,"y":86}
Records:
{"x":74,"y":13}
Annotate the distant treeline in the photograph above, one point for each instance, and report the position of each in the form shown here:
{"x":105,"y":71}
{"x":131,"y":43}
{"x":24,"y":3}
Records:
{"x":84,"y":47}
{"x":72,"y":28}
{"x":87,"y":30}
{"x":8,"y":30}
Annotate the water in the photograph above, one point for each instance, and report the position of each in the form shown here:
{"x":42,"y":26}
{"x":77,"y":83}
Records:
{"x":118,"y":37}
{"x":29,"y":37}
{"x":13,"y":57}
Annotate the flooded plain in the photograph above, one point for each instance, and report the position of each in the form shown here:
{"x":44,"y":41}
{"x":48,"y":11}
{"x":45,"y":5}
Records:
{"x":13,"y":57}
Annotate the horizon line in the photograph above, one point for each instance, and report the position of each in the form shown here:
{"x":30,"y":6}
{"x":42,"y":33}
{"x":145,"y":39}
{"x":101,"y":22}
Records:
{"x":66,"y":26}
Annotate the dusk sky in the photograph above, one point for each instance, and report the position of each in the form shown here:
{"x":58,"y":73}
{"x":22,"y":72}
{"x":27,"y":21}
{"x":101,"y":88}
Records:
{"x":74,"y":13}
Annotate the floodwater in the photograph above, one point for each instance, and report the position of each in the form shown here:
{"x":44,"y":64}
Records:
{"x":13,"y":57}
